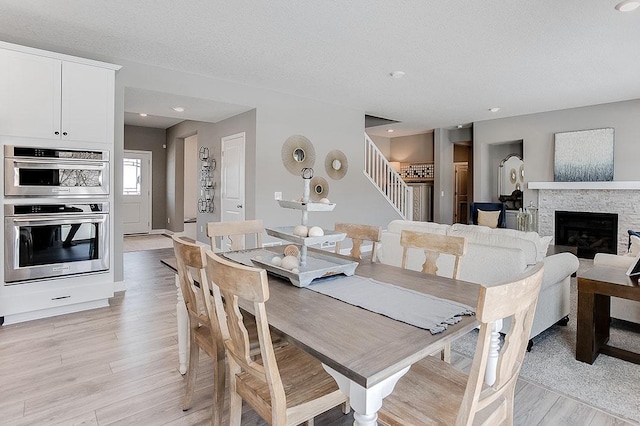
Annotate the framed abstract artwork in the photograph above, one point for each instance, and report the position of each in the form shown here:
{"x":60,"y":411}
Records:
{"x":584,"y":156}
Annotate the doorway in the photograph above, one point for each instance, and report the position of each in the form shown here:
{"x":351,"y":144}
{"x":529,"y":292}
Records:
{"x":136,"y":191}
{"x":232,"y":178}
{"x":461,"y":195}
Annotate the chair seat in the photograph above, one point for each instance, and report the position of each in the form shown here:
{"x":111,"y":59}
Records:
{"x":304,"y":381}
{"x":417,"y":398}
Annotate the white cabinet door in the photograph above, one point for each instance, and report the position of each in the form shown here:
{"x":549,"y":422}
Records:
{"x":87,"y":103}
{"x":49,"y":98}
{"x":30,"y":88}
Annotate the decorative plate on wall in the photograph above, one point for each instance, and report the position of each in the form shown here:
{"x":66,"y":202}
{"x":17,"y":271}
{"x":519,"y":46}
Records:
{"x":298,"y":153}
{"x":319,"y":188}
{"x":336,"y":164}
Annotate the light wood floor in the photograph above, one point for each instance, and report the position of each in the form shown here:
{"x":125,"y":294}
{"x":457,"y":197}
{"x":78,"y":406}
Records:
{"x":118,"y":365}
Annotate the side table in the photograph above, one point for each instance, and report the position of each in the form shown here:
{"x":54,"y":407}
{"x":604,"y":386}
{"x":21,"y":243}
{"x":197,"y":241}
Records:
{"x":595,"y":288}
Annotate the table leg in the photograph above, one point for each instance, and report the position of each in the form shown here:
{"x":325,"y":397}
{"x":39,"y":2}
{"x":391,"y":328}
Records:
{"x":183,"y":330}
{"x":365,"y":401}
{"x":494,"y":354}
{"x":585,"y":333}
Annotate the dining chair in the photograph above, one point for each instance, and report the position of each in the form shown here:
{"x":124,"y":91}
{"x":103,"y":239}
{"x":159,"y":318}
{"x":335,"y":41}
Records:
{"x":434,"y":392}
{"x":234,"y":232}
{"x":286,"y":386}
{"x":358,"y":234}
{"x":433,"y":246}
{"x":206,"y":331}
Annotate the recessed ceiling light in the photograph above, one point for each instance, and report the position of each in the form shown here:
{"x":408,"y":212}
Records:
{"x":142,"y":114}
{"x":494,"y":109}
{"x":178,"y":109}
{"x":397,"y":74}
{"x":459,"y":126}
{"x":627,"y":5}
{"x":389,"y":130}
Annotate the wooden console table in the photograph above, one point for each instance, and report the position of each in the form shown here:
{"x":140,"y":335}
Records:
{"x":595,"y":288}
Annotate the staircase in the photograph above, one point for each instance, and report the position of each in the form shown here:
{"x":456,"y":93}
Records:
{"x":384,"y":177}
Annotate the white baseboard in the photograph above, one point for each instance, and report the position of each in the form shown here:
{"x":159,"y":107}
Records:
{"x":119,"y":286}
{"x":50,"y":312}
{"x":161,"y":232}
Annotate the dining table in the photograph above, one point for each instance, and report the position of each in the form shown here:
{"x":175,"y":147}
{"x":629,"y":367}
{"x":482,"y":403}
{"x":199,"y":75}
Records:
{"x":364,"y":351}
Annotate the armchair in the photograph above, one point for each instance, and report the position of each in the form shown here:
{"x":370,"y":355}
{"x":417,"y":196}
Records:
{"x":473,"y":213}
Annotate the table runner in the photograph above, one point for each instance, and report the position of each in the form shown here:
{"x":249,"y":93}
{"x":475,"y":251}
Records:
{"x":409,"y":306}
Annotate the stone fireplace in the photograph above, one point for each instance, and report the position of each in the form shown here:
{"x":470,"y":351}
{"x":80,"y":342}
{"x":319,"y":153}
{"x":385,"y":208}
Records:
{"x":621,"y":198}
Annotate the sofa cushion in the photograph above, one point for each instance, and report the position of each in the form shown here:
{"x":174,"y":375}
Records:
{"x":486,"y":265}
{"x":488,"y":218}
{"x":398,"y":226}
{"x":494,"y":238}
{"x":541,"y":243}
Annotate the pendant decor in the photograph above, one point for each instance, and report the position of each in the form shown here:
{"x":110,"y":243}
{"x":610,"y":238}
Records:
{"x":298,"y":153}
{"x":207,"y":184}
{"x":336,"y":164}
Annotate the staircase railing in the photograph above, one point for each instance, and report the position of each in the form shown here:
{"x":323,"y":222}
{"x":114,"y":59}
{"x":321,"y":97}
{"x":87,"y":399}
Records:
{"x":384,"y":177}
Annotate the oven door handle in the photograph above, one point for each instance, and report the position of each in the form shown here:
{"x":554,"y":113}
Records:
{"x":62,"y":219}
{"x":68,"y":165}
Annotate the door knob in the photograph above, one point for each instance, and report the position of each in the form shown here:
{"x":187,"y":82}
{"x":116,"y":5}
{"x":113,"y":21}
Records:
{"x":239,"y":206}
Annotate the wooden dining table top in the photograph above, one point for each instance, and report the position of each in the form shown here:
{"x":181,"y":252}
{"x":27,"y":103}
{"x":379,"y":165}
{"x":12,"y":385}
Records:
{"x":364,"y":346}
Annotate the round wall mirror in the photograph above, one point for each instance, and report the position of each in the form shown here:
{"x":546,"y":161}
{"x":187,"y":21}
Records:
{"x":298,"y":155}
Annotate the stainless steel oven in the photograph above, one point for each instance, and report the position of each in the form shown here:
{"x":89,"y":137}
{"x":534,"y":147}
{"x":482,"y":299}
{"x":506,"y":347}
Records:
{"x":45,"y":172}
{"x":53,"y":240}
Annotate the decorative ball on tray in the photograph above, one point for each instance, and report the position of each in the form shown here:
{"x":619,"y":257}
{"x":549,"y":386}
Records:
{"x":316,"y":231}
{"x":291,"y":250}
{"x":290,"y":262}
{"x":301,"y":231}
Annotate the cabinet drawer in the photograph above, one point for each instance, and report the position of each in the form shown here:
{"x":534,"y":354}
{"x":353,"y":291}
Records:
{"x":22,"y":298}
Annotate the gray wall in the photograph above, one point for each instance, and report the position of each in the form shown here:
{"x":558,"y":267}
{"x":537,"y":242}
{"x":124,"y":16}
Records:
{"x":443,"y":183}
{"x":537,"y":130}
{"x":412,"y":149}
{"x":149,"y":139}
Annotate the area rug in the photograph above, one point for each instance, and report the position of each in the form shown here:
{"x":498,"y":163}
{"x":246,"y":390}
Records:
{"x":610,"y":384}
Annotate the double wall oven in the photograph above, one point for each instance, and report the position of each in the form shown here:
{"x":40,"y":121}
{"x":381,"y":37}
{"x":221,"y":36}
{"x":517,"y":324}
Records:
{"x":56,"y":212}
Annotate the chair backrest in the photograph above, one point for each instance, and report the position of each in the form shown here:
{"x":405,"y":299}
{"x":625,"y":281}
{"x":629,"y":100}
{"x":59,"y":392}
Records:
{"x":196,"y":290}
{"x":433,"y":245}
{"x":488,"y":207}
{"x":240,"y":282}
{"x":516,"y":300}
{"x":235,"y":232}
{"x":358,"y":234}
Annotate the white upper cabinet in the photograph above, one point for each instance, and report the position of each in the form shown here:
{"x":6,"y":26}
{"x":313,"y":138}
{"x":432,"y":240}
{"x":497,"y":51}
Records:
{"x":50,"y":98}
{"x":30,"y":93}
{"x":87,"y":103}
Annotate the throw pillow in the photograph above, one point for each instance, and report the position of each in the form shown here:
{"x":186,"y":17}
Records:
{"x":488,"y":218}
{"x":543,"y":247}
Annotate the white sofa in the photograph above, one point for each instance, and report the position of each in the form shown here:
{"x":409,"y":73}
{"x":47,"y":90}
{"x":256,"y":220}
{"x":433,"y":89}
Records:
{"x":493,"y":255}
{"x":623,"y":309}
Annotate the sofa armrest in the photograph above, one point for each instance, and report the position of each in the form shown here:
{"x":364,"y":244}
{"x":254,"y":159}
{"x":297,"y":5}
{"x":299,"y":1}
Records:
{"x":605,"y":259}
{"x":559,"y":266}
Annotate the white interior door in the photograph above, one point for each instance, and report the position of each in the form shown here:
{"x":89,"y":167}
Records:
{"x":136,"y":183}
{"x":232,"y":179}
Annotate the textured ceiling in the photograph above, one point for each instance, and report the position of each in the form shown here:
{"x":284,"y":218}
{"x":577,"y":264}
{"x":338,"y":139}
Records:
{"x":460,"y":57}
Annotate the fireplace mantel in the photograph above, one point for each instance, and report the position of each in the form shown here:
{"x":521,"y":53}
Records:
{"x":585,"y":185}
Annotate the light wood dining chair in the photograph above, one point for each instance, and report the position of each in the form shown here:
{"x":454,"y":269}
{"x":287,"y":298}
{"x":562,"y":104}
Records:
{"x":358,"y":234}
{"x":234,"y":232}
{"x":434,"y":245}
{"x":206,"y":331}
{"x":286,"y":386}
{"x":434,"y":392}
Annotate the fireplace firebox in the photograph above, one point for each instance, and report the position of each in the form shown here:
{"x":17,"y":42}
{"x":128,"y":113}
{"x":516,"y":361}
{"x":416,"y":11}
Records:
{"x":590,"y":232}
